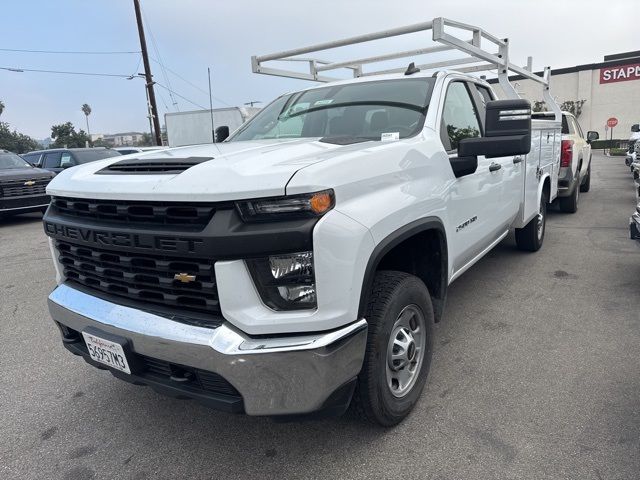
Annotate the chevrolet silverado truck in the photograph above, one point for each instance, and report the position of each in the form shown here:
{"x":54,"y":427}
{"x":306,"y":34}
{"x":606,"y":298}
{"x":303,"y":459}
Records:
{"x":299,"y":266}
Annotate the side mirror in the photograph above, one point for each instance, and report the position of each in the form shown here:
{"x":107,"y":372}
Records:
{"x":222,"y":133}
{"x":591,"y":136}
{"x":635,"y":127}
{"x":507,"y":131}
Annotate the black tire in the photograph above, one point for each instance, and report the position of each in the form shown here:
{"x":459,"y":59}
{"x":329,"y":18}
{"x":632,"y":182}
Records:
{"x":586,"y":184}
{"x":530,"y":238}
{"x":392,"y":293}
{"x":570,"y":204}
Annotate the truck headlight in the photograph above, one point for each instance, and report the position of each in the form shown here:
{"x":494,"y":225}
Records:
{"x":289,"y":207}
{"x":285,"y":282}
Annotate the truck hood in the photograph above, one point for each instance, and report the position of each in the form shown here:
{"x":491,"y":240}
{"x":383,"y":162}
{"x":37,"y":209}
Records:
{"x":26,"y":173}
{"x":236,"y":170}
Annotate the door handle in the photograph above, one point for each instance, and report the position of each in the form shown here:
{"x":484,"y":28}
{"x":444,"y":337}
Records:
{"x":494,"y":167}
{"x":517,"y":160}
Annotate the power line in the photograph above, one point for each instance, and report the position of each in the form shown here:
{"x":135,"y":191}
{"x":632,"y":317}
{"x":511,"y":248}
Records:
{"x":155,"y":48}
{"x":97,"y":74}
{"x":94,"y":74}
{"x":182,"y":97}
{"x":135,"y":72}
{"x":191,"y":83}
{"x":65,"y":52}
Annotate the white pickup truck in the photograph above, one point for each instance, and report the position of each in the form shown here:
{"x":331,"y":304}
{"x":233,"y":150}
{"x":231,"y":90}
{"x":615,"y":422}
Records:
{"x":299,"y":266}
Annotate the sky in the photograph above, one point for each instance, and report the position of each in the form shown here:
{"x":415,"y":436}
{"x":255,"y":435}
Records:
{"x":191,"y":35}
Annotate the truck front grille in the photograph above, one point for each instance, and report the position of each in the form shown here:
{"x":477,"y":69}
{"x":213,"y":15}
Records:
{"x":24,"y":187}
{"x":143,"y":277}
{"x":149,"y":213}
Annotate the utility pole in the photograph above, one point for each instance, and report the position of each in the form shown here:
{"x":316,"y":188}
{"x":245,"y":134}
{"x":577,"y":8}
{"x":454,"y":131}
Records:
{"x":147,"y":75}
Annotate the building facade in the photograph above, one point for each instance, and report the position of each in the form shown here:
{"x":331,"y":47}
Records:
{"x":610,"y":89}
{"x":128,"y":139}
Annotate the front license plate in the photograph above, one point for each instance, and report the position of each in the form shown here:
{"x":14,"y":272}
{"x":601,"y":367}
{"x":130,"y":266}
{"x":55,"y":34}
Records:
{"x":107,"y":352}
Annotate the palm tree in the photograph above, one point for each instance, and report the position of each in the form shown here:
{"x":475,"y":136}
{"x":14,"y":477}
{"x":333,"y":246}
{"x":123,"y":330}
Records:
{"x":86,"y":109}
{"x":1,"y":107}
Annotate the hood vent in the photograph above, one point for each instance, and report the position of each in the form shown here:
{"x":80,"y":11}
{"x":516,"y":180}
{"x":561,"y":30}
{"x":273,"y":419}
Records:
{"x":152,"y":166}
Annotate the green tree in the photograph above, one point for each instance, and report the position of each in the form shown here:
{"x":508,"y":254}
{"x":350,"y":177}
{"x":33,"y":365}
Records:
{"x":16,"y":142}
{"x":1,"y":107}
{"x":86,"y":109}
{"x":573,"y":106}
{"x":65,"y":135}
{"x":539,"y":106}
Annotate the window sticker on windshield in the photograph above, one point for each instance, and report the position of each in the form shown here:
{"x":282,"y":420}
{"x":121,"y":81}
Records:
{"x":390,"y":136}
{"x":323,"y":102}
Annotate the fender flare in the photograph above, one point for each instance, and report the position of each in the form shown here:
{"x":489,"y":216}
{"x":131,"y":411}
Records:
{"x":541,"y":183}
{"x":392,"y":240}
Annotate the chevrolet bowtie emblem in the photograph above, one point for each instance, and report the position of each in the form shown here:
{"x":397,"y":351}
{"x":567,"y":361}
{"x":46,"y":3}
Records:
{"x":29,"y":183}
{"x":184,"y":277}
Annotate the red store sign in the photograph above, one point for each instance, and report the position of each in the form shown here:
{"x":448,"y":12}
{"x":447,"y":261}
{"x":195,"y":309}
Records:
{"x":620,"y":73}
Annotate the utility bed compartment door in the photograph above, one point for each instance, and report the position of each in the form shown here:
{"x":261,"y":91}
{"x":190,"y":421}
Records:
{"x":530,"y":206}
{"x":550,"y":142}
{"x":543,"y":158}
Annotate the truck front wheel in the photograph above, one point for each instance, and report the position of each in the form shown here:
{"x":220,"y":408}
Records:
{"x":530,"y":237}
{"x":399,"y":348}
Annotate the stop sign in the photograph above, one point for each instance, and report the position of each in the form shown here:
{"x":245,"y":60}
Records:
{"x":612,"y":122}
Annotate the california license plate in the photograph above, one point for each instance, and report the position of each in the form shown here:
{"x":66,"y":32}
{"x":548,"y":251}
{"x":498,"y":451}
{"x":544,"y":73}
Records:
{"x":106,"y":352}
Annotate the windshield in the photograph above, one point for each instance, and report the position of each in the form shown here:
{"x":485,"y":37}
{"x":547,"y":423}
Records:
{"x":11,"y":160}
{"x":364,"y":110}
{"x":86,"y":156}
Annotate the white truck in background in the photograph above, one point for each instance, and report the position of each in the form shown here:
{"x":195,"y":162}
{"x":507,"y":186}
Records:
{"x":196,"y":127}
{"x":299,"y":266}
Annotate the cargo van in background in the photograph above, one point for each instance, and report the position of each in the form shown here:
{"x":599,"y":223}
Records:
{"x":195,"y":127}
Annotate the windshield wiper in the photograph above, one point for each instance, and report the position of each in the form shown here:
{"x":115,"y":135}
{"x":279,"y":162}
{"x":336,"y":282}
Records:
{"x":326,"y":106}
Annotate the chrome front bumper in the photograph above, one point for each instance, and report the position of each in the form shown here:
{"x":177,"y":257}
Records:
{"x":284,"y":375}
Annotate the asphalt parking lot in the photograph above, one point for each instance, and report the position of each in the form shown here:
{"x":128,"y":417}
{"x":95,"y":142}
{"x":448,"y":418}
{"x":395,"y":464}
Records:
{"x":536,"y":375}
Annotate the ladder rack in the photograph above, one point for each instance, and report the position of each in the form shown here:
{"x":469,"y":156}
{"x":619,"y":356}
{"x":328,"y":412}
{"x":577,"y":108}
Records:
{"x":475,"y":59}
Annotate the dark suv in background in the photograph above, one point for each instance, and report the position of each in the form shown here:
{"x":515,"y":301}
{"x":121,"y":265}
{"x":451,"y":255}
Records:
{"x":57,"y":159}
{"x":22,"y":187}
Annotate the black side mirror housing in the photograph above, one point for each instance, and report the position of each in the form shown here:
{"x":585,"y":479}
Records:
{"x":222,"y":133}
{"x":507,"y":132}
{"x":635,"y":127}
{"x":591,"y":136}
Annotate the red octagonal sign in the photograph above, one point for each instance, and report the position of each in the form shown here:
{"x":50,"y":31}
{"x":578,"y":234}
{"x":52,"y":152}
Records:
{"x":612,"y":122}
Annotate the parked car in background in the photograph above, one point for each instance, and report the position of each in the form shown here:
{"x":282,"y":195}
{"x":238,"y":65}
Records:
{"x":130,"y":150}
{"x":635,"y":168}
{"x":633,"y":142}
{"x":22,"y":186}
{"x":57,"y":159}
{"x":575,"y":161}
{"x":634,"y":224}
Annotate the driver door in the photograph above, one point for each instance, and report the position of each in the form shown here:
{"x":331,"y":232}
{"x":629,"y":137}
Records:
{"x":474,"y":200}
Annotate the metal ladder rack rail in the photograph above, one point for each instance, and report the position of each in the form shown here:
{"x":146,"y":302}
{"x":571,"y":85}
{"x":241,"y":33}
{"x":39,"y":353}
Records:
{"x":472,"y":48}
